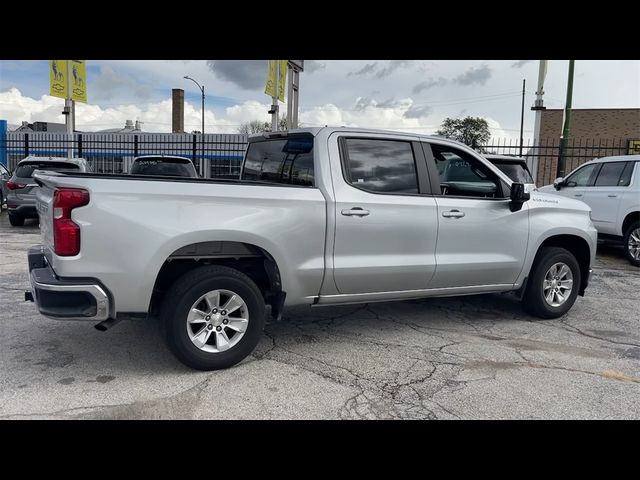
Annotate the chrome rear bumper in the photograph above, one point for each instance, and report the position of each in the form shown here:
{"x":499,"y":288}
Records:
{"x":65,"y":299}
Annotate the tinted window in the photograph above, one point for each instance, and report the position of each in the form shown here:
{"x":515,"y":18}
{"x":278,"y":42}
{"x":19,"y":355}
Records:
{"x":173,"y":167}
{"x":581,"y":177}
{"x":515,"y":172}
{"x":625,"y":178}
{"x":287,"y":161}
{"x":26,"y":170}
{"x":3,"y":170}
{"x":380,"y":165}
{"x":463,"y":175}
{"x":609,"y":174}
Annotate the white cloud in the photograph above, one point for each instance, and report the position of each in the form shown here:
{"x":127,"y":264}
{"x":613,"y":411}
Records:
{"x":156,"y":116}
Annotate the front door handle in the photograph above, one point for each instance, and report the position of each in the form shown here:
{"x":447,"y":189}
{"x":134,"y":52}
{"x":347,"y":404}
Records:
{"x":355,"y":212}
{"x":612,"y":196}
{"x":577,"y":194}
{"x":453,"y":214}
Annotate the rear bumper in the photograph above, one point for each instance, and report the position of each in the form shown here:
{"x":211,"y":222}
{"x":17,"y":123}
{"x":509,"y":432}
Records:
{"x":26,"y":211}
{"x":65,"y":298}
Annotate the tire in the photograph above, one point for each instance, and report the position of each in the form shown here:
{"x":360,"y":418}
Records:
{"x":634,"y":229}
{"x":534,"y":300}
{"x":178,"y":303}
{"x":16,"y":220}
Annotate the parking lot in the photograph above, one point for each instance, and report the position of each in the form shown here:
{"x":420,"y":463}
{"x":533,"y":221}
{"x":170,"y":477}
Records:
{"x":474,"y":357}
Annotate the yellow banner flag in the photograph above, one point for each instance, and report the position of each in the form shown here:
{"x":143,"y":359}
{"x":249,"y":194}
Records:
{"x":58,"y":78}
{"x":270,"y":86}
{"x":78,"y":79}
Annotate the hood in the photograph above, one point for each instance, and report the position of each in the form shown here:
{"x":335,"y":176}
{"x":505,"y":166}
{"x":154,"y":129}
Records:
{"x":542,"y":198}
{"x":547,"y":189}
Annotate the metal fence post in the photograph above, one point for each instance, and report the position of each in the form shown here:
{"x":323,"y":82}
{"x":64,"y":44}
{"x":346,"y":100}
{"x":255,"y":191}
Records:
{"x":3,"y":142}
{"x":79,"y":145}
{"x":26,"y":144}
{"x":193,"y":149}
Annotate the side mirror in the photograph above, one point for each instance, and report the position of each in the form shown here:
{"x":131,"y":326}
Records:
{"x":558,"y":183}
{"x":518,"y":196}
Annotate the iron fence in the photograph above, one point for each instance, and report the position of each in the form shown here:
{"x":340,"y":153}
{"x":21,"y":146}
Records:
{"x":221,"y":154}
{"x":542,"y":158}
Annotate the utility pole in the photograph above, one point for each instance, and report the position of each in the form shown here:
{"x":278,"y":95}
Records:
{"x":522,"y":116}
{"x":538,"y":107}
{"x":295,"y":67}
{"x":202,"y":162}
{"x":274,"y":100}
{"x":564,"y":140}
{"x":68,"y":111}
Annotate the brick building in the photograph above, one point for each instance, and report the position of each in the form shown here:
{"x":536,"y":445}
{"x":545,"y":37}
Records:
{"x":595,"y":132}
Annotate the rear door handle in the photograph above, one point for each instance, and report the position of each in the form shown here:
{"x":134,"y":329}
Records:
{"x":577,"y":194}
{"x":453,"y":214}
{"x":612,"y":196}
{"x":355,"y":212}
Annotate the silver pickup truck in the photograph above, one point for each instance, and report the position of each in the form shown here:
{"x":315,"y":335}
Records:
{"x":319,"y":216}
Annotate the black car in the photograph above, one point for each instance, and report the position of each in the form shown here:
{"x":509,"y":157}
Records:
{"x":514,"y":167}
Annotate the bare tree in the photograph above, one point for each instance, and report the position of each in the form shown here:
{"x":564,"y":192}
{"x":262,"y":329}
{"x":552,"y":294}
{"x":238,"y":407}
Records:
{"x":256,"y":126}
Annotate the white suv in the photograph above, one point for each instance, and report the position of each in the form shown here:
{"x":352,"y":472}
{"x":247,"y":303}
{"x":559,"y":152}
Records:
{"x":611,"y":187}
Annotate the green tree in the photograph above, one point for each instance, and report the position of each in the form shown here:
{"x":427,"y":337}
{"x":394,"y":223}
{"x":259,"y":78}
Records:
{"x":472,"y":131}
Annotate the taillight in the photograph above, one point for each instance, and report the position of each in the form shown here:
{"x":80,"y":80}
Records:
{"x":15,"y":186}
{"x":66,"y":233}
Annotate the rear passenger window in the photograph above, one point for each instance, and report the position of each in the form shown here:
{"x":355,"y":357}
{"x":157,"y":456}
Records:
{"x":380,"y":166}
{"x":286,"y":161}
{"x":625,"y":178}
{"x":610,"y":174}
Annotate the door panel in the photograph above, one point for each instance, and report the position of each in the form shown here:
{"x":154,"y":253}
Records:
{"x":605,"y":195}
{"x":390,"y":249}
{"x":385,"y":239}
{"x":485,"y":246}
{"x":480,"y":241}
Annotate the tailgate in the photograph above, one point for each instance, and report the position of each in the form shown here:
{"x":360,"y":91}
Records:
{"x":44,"y":206}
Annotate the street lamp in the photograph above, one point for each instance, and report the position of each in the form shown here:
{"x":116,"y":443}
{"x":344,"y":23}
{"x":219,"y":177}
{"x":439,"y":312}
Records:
{"x":201,"y":87}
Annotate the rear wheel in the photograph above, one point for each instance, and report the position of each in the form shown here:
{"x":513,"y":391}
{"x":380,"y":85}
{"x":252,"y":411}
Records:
{"x":213,"y":317}
{"x":553,"y":284}
{"x":632,"y":243}
{"x":16,"y":220}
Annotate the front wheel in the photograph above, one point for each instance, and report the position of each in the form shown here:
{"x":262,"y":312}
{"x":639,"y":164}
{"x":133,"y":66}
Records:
{"x":632,"y":244}
{"x":213,"y":317}
{"x":553,"y":284}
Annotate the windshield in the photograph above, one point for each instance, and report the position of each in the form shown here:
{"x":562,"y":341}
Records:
{"x":515,"y":172}
{"x":25,"y":170}
{"x":173,"y":167}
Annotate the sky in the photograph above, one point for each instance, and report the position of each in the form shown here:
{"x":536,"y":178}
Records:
{"x":406,"y":95}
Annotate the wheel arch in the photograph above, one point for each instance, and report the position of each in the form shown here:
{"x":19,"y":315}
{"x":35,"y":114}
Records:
{"x":579,"y":248}
{"x":253,"y":260}
{"x":631,"y":217}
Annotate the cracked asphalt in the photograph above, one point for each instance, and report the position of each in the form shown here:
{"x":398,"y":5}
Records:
{"x":476,"y":357}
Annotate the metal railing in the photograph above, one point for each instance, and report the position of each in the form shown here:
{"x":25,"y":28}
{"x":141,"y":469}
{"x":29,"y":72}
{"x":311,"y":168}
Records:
{"x":113,"y":152}
{"x":222,"y":153}
{"x":543,"y":157}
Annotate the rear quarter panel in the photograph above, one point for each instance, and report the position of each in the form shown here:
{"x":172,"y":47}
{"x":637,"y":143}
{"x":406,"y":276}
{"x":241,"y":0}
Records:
{"x":129,"y":228}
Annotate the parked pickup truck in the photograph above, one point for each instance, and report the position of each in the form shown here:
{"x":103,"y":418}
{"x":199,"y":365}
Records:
{"x":319,"y":216}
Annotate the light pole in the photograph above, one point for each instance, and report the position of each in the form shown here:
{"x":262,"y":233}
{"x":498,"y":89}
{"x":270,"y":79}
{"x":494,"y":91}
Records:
{"x":201,"y":87}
